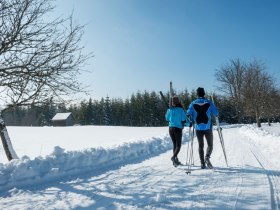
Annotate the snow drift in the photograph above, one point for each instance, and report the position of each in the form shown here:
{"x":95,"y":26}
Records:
{"x":60,"y":163}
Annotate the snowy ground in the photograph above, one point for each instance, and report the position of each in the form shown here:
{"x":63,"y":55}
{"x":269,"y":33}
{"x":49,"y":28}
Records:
{"x":91,"y":167}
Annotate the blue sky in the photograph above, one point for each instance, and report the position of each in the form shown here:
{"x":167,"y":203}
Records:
{"x":143,"y":44}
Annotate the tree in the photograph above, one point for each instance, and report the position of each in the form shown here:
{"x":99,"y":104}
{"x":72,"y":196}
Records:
{"x":232,"y":80}
{"x":186,"y":98}
{"x":250,"y":88}
{"x":40,"y":58}
{"x":82,"y":117}
{"x":157,"y":110}
{"x":270,"y":107}
{"x":117,"y":112}
{"x":258,"y":88}
{"x":107,"y":111}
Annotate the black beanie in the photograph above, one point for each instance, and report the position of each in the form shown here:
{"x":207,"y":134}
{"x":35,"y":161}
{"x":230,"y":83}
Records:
{"x":200,"y":92}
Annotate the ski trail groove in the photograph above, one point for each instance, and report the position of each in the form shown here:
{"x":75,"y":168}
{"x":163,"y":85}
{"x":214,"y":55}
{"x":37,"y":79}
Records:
{"x":273,"y":179}
{"x":271,"y":175}
{"x":240,"y":184}
{"x":120,"y":188}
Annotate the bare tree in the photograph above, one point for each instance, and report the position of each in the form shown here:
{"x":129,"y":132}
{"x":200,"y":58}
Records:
{"x":257,"y":90}
{"x":40,"y":57}
{"x":231,"y":77}
{"x":250,"y":89}
{"x":271,"y":105}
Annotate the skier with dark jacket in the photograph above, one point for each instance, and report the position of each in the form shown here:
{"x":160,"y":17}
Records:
{"x":176,"y":117}
{"x":201,"y":111}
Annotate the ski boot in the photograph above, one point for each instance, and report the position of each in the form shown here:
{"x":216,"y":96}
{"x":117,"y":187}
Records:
{"x":177,"y":161}
{"x":208,"y":163}
{"x":203,"y":166}
{"x":173,"y":159}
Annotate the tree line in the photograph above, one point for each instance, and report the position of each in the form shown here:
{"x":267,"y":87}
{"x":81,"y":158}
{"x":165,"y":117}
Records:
{"x":250,"y":96}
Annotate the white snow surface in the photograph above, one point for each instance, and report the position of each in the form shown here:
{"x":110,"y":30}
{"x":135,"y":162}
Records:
{"x":106,"y":167}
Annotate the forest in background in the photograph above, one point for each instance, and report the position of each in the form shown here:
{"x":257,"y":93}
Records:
{"x":141,"y":109}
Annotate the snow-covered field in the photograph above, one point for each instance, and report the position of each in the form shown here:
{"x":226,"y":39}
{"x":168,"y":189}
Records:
{"x":102,"y":167}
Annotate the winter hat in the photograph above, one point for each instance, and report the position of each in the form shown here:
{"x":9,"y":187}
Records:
{"x":200,"y":92}
{"x":175,"y":100}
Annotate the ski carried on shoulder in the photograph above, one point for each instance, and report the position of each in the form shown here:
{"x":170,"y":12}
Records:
{"x":171,"y":92}
{"x":164,"y":99}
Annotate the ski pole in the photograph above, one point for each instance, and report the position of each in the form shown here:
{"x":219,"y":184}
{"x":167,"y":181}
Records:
{"x":219,"y":129}
{"x":190,"y":158}
{"x":192,"y":145}
{"x":188,"y":146}
{"x":221,"y":138}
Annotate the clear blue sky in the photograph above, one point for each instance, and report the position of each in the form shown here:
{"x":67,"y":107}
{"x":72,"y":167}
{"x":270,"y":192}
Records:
{"x":144,"y":44}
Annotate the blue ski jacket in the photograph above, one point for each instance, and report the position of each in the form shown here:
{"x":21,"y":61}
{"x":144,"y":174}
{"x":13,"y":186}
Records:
{"x":201,"y":111}
{"x":176,"y":117}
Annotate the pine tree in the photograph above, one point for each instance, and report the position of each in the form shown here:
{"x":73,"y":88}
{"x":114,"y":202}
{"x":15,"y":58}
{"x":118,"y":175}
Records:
{"x":107,"y":110}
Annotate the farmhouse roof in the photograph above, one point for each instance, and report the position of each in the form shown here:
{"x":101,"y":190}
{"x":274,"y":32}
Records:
{"x":61,"y":116}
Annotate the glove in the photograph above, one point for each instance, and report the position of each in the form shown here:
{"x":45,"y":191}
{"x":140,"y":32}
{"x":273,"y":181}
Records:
{"x":188,"y":124}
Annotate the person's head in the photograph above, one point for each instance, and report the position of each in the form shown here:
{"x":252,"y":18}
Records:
{"x":175,"y":101}
{"x":200,"y":92}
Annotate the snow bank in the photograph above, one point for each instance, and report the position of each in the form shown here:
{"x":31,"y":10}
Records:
{"x":269,"y":141}
{"x":40,"y":141}
{"x":259,"y":134}
{"x":60,"y":163}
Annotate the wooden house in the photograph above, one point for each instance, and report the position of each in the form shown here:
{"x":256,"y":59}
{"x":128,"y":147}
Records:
{"x":63,"y":119}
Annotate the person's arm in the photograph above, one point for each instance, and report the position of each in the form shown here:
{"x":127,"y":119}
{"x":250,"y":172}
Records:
{"x":167,"y":115}
{"x":183,"y":117}
{"x":189,"y":112}
{"x":214,"y":109}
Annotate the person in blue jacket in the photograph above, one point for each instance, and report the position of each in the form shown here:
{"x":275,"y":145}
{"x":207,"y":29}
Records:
{"x":176,"y":117}
{"x":201,"y":111}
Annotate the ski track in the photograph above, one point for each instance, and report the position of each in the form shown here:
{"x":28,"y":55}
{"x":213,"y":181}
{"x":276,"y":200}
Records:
{"x":264,"y":171}
{"x":272,"y":177}
{"x":156,"y":184}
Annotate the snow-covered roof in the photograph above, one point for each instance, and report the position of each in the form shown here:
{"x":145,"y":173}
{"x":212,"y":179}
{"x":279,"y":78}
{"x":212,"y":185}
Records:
{"x":61,"y":116}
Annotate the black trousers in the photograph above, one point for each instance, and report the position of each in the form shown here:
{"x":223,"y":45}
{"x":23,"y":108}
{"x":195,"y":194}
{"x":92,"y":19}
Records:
{"x":209,"y":138}
{"x":176,"y":136}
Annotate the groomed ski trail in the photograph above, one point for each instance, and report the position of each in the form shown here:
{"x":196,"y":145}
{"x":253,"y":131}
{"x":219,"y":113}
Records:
{"x":156,"y":184}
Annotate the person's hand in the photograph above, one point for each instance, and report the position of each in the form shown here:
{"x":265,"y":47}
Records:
{"x":188,"y":124}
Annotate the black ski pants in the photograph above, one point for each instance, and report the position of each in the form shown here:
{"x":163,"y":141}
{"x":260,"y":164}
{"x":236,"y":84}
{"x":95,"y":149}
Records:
{"x":209,"y":138}
{"x":176,"y":136}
